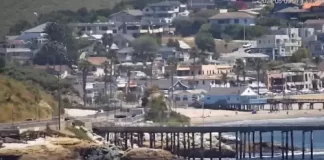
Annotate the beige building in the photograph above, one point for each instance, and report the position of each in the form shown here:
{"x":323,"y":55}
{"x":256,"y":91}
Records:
{"x":293,"y":80}
{"x":203,"y":70}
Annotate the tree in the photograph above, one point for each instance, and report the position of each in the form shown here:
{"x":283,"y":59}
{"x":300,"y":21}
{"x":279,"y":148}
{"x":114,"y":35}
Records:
{"x":62,"y":34}
{"x":238,"y":68}
{"x":226,"y":38}
{"x":55,"y":32}
{"x":129,"y":74}
{"x":205,"y":41}
{"x":183,"y":26}
{"x":173,"y":62}
{"x":2,"y":64}
{"x":19,"y":27}
{"x":85,"y":67}
{"x":107,"y":40}
{"x":143,"y":46}
{"x":205,"y":28}
{"x":51,"y":53}
{"x":258,"y":65}
{"x":224,"y":78}
{"x":106,"y":64}
{"x":173,"y":43}
{"x":299,"y":55}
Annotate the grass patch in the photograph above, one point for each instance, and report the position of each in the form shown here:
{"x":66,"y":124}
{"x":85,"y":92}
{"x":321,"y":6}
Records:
{"x":19,"y":101}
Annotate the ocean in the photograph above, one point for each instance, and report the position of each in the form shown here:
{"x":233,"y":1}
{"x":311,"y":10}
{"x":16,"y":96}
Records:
{"x":318,"y":136}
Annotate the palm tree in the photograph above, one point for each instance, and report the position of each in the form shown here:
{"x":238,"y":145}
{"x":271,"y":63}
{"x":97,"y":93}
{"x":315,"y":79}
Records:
{"x":224,"y":78}
{"x":106,"y":64}
{"x":85,"y":67}
{"x":151,"y":58}
{"x":239,"y":67}
{"x":226,"y":39}
{"x":258,"y":65}
{"x":194,"y":55}
{"x":129,"y":73}
{"x":172,"y":62}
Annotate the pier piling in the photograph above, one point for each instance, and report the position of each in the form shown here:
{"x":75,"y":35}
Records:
{"x":292,"y":144}
{"x":303,"y":145}
{"x":182,"y":142}
{"x":282,"y":145}
{"x":272,"y":149}
{"x":236,"y":144}
{"x":260,"y":144}
{"x":311,"y":144}
{"x":220,"y":145}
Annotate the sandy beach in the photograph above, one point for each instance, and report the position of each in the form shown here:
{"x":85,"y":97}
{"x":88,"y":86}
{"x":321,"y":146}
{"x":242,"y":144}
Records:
{"x":200,"y":116}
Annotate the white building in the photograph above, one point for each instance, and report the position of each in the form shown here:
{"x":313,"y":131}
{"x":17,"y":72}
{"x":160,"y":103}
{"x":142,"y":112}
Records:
{"x":187,"y":97}
{"x":164,"y":12}
{"x":15,"y":50}
{"x":284,"y":42}
{"x":131,"y":28}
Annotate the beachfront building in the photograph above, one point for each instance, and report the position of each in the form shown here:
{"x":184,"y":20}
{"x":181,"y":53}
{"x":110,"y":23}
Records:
{"x":184,"y":70}
{"x":188,"y":97}
{"x":234,"y":98}
{"x":294,"y":78}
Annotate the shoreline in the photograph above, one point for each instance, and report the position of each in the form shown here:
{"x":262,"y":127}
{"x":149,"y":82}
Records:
{"x":200,"y":116}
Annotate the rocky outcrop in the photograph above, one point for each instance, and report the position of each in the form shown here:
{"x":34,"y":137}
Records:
{"x":147,"y":154}
{"x":61,"y":149}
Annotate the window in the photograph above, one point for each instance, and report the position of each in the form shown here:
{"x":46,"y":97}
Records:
{"x":194,"y":98}
{"x":245,"y":21}
{"x":208,"y":98}
{"x":185,"y":98}
{"x":203,"y":82}
{"x":177,"y":98}
{"x":236,"y":21}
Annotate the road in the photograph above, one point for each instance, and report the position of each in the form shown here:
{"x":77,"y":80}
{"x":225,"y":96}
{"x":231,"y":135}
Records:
{"x":89,"y":118}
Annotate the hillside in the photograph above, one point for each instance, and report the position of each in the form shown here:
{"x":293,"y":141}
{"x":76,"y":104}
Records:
{"x":14,"y":10}
{"x":19,"y":101}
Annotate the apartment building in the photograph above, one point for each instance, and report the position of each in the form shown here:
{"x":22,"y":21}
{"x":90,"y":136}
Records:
{"x":293,"y":80}
{"x":202,"y":70}
{"x":164,"y":12}
{"x":132,"y":28}
{"x":282,"y":43}
{"x":298,"y":76}
{"x":16,"y":50}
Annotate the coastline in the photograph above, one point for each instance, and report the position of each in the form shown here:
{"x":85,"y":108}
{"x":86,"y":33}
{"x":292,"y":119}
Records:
{"x":200,"y":116}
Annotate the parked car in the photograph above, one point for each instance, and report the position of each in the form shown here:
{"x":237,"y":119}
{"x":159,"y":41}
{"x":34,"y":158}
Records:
{"x":246,"y":45}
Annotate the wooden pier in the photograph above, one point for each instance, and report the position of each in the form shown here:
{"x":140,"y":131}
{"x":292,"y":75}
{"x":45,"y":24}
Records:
{"x":288,"y":102}
{"x":181,"y":141}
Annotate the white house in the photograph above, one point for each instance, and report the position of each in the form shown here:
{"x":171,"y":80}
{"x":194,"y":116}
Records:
{"x":15,"y":50}
{"x":284,"y":43}
{"x":227,"y":18}
{"x":164,"y":12}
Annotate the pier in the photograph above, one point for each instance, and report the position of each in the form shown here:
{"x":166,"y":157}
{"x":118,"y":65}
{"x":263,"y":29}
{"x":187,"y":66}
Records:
{"x":247,"y":143}
{"x":288,"y":102}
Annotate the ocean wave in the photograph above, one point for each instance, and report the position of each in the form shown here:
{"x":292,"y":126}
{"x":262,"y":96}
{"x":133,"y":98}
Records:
{"x":288,"y":121}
